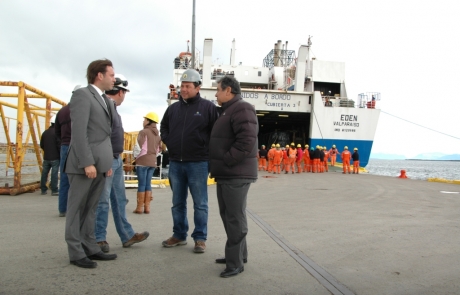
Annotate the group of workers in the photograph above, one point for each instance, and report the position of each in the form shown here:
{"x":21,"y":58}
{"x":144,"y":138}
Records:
{"x":314,"y":160}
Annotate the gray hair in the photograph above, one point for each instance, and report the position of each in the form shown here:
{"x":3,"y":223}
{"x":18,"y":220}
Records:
{"x":228,"y":81}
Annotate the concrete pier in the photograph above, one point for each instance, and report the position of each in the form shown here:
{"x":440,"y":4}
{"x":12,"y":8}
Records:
{"x":309,"y":233}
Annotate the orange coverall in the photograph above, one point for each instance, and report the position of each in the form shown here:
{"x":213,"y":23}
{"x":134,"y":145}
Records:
{"x":306,"y":160}
{"x":299,"y":160}
{"x":292,"y":155}
{"x":346,"y":155}
{"x":277,"y":158}
{"x":270,"y":159}
{"x":326,"y":157}
{"x":285,"y":160}
{"x":333,"y":154}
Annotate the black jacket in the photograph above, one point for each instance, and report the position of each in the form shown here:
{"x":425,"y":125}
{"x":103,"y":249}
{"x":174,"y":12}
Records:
{"x":62,"y":125}
{"x":355,"y":156}
{"x":50,"y":144}
{"x":233,"y":144}
{"x":186,"y":127}
{"x":316,"y":154}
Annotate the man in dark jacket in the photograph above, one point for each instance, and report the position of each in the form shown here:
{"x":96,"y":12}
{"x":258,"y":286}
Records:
{"x":355,"y":158}
{"x":185,"y":129}
{"x":50,"y":146}
{"x":63,"y":132}
{"x":233,"y":160}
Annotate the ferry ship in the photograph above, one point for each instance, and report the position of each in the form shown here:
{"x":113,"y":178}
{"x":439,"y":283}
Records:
{"x":297,"y":98}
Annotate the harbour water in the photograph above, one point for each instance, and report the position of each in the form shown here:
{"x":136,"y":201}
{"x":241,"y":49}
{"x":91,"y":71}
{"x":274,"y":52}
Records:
{"x":415,"y":169}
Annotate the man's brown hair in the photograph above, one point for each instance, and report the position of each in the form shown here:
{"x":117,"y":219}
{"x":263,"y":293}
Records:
{"x":97,"y":66}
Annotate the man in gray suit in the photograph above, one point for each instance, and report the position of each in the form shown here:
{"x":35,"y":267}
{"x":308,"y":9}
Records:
{"x":88,"y":162}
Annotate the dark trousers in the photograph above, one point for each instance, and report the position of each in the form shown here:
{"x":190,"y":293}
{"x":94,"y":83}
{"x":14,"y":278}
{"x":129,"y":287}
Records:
{"x":54,"y":167}
{"x":232,"y":208}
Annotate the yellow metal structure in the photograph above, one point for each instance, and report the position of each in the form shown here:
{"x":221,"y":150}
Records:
{"x":16,"y":146}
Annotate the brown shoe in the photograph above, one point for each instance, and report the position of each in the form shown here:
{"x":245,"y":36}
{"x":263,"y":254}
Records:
{"x":137,"y":238}
{"x":104,"y":246}
{"x":140,"y":203}
{"x":200,"y":246}
{"x":172,"y":242}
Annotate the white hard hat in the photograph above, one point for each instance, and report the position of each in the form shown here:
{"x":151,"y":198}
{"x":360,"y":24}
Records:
{"x":76,"y":87}
{"x":190,"y":76}
{"x":120,"y":83}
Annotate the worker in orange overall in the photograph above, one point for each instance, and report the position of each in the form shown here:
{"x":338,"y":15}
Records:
{"x":346,"y":155}
{"x":270,"y":158}
{"x":292,"y":154}
{"x":355,"y":158}
{"x":326,"y":157}
{"x":333,"y":154}
{"x":262,"y":158}
{"x":299,"y":158}
{"x":316,"y":156}
{"x":285,"y":158}
{"x":277,"y":158}
{"x":306,"y":159}
{"x":321,"y":160}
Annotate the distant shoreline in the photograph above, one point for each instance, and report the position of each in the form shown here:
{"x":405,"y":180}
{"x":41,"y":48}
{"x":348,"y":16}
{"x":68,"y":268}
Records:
{"x":414,"y":160}
{"x":432,"y":160}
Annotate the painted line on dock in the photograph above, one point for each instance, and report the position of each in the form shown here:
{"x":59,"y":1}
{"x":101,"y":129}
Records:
{"x":323,"y":277}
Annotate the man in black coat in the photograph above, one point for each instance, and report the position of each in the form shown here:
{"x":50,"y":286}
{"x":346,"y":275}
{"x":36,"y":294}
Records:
{"x":233,"y":163}
{"x":50,"y":146}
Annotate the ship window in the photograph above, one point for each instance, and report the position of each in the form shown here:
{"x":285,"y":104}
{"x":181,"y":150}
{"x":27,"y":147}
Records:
{"x":259,"y":73}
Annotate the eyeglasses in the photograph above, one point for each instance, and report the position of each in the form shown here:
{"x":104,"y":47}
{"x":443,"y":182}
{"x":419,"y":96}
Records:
{"x":119,"y":82}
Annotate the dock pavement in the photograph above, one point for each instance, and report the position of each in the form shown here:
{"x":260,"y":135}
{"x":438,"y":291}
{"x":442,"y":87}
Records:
{"x":325,"y":233}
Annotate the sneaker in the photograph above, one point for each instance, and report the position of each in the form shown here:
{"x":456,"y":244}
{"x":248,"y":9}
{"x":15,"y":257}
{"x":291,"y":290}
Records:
{"x":104,"y":246}
{"x":62,"y":214}
{"x":43,"y":193}
{"x":200,"y":246}
{"x":137,"y":238}
{"x":55,"y":193}
{"x":172,"y":242}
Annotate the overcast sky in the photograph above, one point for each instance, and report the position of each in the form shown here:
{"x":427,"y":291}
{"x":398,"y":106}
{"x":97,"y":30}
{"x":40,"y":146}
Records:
{"x":406,"y":50}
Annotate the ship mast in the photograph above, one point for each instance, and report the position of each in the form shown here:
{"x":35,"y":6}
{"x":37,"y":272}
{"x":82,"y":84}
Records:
{"x":193,"y":37}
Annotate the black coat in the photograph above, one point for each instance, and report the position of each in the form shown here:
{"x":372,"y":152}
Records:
{"x":50,"y":144}
{"x":355,"y":156}
{"x":186,"y":127}
{"x":233,"y":143}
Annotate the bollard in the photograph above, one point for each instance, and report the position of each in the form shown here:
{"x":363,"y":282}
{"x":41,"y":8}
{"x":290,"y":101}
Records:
{"x":403,"y":174}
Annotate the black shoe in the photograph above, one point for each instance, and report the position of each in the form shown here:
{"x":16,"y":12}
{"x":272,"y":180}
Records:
{"x":233,"y":271}
{"x":84,"y":262}
{"x":102,"y":256}
{"x":223,"y":260}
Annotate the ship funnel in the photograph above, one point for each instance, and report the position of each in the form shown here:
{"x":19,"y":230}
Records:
{"x":300,"y":69}
{"x":232,"y":54}
{"x":207,"y":60}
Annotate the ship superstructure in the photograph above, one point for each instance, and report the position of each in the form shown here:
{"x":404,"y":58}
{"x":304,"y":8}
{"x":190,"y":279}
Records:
{"x":297,"y":98}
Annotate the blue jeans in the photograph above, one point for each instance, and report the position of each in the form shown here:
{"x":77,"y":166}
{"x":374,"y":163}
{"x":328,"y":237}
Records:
{"x":64,"y":181}
{"x":144,"y":178}
{"x":114,"y":190}
{"x":54,"y":167}
{"x":182,"y":177}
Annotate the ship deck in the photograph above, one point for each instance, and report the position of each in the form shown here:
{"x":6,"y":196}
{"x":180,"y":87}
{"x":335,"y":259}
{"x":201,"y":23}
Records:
{"x":308,"y":234}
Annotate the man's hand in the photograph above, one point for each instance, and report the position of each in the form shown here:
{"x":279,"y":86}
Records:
{"x":90,"y":171}
{"x":109,"y":173}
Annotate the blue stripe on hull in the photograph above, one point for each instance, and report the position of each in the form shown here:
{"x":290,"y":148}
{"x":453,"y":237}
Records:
{"x":364,"y":147}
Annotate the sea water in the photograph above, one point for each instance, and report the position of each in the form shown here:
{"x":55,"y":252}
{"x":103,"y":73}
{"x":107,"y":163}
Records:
{"x":415,"y":169}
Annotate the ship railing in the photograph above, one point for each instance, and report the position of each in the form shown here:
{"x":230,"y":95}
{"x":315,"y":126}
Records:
{"x":338,"y":101}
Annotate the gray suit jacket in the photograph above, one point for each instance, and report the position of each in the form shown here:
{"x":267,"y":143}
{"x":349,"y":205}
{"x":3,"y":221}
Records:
{"x":91,"y":128}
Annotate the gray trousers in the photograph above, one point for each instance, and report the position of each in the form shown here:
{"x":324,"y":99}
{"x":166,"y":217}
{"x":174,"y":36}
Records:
{"x":82,"y":202}
{"x":232,"y":208}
